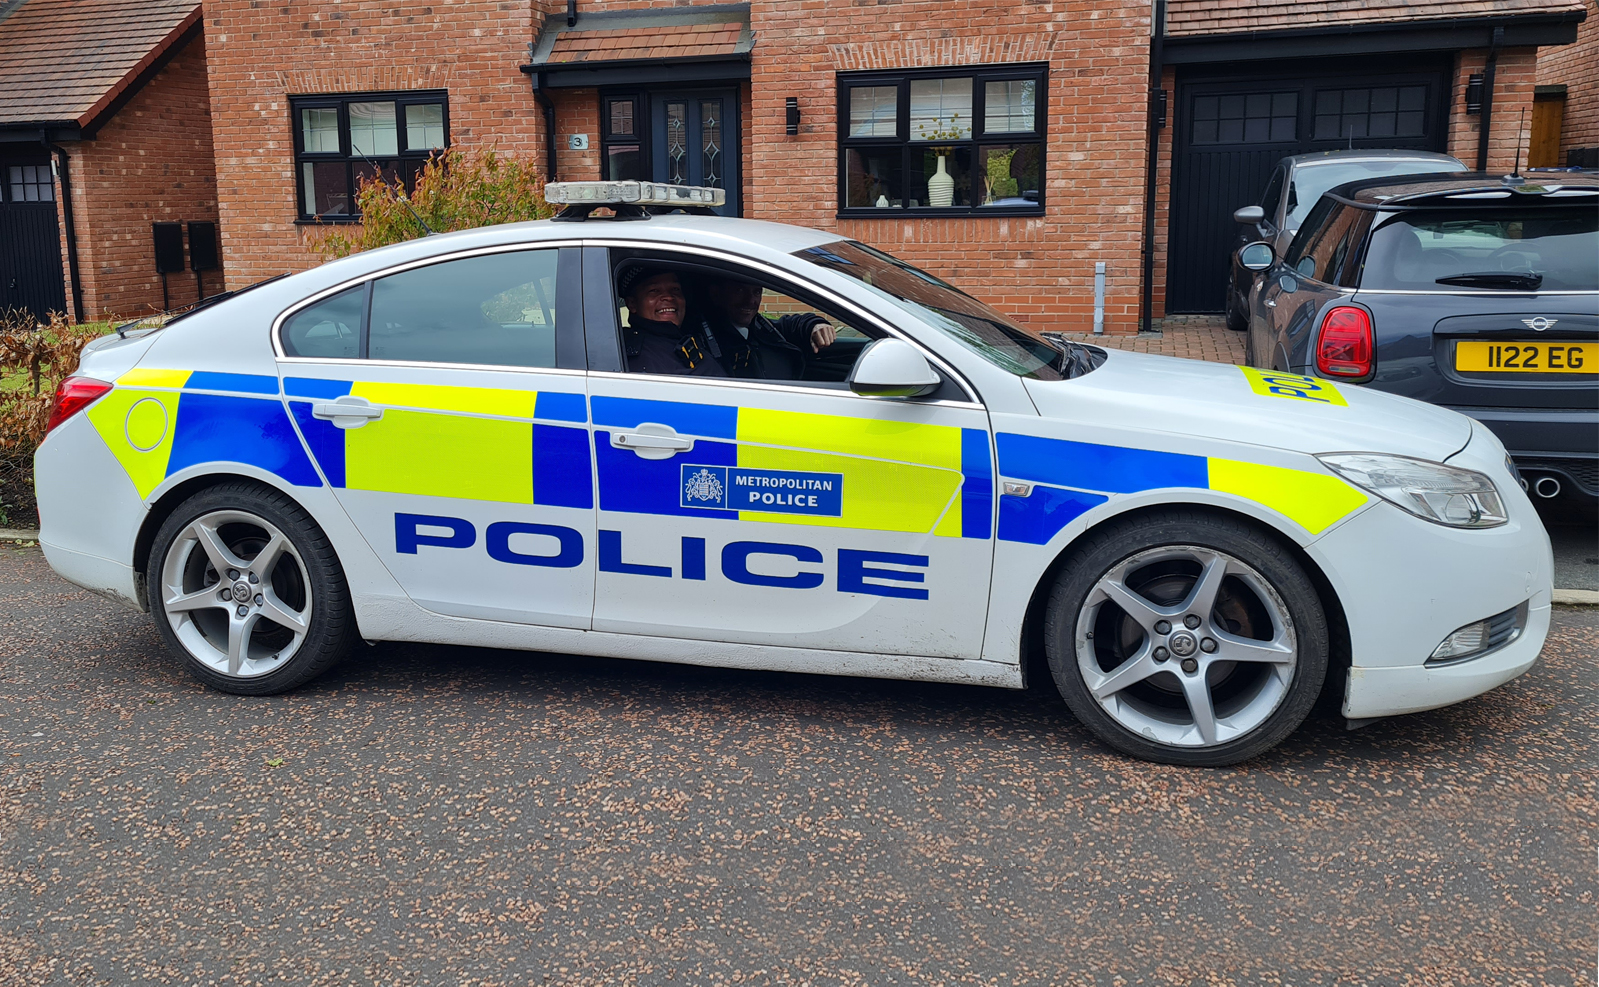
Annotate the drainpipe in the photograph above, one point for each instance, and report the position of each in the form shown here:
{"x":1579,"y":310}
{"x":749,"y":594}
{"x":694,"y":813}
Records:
{"x":1488,"y":97}
{"x":1156,"y":58}
{"x":549,"y":125}
{"x":62,"y":171}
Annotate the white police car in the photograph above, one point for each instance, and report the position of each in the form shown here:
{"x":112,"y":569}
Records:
{"x":441,"y":441}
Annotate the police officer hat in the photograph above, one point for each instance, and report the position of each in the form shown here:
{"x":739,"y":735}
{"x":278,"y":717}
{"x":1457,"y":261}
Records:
{"x":636,"y":274}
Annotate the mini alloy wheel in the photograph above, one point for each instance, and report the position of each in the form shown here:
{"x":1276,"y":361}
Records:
{"x":247,"y":588}
{"x":1184,"y":651}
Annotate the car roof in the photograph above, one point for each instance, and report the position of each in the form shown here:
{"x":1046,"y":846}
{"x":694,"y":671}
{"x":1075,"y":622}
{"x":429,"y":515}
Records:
{"x":1315,"y":158}
{"x":1456,"y":190}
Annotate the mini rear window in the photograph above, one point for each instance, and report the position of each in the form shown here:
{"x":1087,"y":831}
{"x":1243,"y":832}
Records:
{"x":1543,"y":249}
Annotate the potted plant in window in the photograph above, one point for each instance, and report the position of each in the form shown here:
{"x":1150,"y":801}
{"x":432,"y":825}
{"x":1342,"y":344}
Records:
{"x":998,"y":182}
{"x":941,"y":184}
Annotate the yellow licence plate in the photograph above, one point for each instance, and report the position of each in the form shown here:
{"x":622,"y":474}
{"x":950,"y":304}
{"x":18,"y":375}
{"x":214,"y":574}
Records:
{"x":1532,"y":358}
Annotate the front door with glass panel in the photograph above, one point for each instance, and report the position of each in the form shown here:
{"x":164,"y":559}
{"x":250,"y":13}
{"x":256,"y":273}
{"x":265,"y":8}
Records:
{"x":696,"y":141}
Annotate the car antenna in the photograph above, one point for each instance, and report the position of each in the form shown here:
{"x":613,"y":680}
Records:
{"x":1514,"y":178}
{"x":405,"y":200}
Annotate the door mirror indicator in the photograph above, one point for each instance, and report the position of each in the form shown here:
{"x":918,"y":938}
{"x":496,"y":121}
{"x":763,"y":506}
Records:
{"x":892,"y":368}
{"x":1256,"y":256}
{"x":1249,"y":215}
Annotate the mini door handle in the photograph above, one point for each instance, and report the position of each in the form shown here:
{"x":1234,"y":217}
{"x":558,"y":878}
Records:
{"x":1271,"y":303}
{"x":347,"y":412}
{"x":652,"y":441}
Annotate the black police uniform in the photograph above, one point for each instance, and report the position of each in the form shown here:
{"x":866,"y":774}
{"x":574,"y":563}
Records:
{"x":774,"y":350}
{"x":663,"y":348}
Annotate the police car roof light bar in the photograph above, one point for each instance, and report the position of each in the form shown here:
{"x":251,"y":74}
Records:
{"x":629,"y":199}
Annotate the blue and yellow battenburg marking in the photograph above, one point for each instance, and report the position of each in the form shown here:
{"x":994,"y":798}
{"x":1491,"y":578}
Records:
{"x":863,"y":473}
{"x":157,"y":422}
{"x":474,"y":443}
{"x":1294,"y":387}
{"x":1071,"y":478}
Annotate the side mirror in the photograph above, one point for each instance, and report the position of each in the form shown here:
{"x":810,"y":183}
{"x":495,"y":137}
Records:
{"x":892,"y":368}
{"x":1249,"y":215}
{"x":1256,"y":256}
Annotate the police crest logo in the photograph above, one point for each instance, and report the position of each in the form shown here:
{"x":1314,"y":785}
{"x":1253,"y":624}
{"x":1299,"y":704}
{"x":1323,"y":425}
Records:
{"x":703,"y":487}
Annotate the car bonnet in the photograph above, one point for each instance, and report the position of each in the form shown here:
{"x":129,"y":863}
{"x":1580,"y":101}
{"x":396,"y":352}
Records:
{"x":1243,"y":404}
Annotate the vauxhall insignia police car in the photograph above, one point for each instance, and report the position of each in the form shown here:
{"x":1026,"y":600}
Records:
{"x":467,"y":439}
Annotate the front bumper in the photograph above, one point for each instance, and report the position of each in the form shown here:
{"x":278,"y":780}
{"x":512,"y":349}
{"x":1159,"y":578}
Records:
{"x":1405,"y":584}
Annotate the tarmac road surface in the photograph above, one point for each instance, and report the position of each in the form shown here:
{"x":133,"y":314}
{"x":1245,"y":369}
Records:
{"x":431,"y":815}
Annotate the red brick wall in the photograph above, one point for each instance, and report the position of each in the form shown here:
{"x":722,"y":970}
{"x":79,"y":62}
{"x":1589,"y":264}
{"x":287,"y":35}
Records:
{"x":262,"y":53}
{"x":1577,"y":67}
{"x":152,"y":162}
{"x":1510,"y":130}
{"x":577,"y":111}
{"x":1163,"y":166}
{"x":1041,"y":269}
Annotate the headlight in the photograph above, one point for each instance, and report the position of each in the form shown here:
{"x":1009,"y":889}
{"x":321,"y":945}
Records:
{"x":1448,"y":495}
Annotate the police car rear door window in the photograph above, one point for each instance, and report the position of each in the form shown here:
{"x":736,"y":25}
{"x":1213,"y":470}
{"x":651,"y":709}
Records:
{"x":492,"y":309}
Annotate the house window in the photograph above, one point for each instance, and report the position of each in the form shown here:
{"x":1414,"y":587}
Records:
{"x":31,"y":183}
{"x":622,"y":137}
{"x":942,"y":142}
{"x":339,"y":141}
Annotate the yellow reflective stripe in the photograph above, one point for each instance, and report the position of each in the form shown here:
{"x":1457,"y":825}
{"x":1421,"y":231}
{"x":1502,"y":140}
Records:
{"x":1295,"y":387}
{"x":442,"y":397}
{"x":898,"y":476}
{"x":153,"y":377}
{"x":950,"y":526}
{"x":428,"y":455}
{"x":911,"y":442}
{"x":1315,"y":501}
{"x":137,"y":425}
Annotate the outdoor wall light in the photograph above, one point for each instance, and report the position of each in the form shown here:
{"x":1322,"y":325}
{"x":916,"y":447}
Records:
{"x":793,"y":115}
{"x":1474,"y":93}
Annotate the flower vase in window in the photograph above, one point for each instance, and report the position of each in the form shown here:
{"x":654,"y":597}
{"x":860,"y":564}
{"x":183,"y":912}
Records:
{"x":941,"y":184}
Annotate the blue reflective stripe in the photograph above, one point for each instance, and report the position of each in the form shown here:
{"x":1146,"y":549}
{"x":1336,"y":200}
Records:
{"x":977,"y":490}
{"x":325,"y":439}
{"x":206,"y":380}
{"x":716,"y":421}
{"x":212,"y":428}
{"x":315,"y":387}
{"x":1038,"y":518}
{"x":562,"y":475}
{"x":1113,"y":469}
{"x":651,"y":486}
{"x":557,"y":406}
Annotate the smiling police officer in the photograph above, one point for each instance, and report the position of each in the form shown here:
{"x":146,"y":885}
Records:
{"x":655,"y":339}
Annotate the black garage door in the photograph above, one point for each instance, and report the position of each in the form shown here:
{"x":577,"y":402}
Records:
{"x":1232,"y":129}
{"x":30,"y":239}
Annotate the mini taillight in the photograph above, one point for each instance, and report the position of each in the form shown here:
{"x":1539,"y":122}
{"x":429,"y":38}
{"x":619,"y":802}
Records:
{"x":1344,"y":348}
{"x":75,"y":394}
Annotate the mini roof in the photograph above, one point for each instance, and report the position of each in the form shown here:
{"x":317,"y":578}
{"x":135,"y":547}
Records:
{"x":1448,"y":189}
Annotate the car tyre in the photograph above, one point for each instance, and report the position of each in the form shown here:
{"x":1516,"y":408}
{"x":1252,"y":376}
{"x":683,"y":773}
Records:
{"x":247,"y":588}
{"x":1237,"y":321}
{"x":1185,"y":637}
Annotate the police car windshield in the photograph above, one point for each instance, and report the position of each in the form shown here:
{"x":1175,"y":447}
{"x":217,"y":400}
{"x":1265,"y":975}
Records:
{"x":968,"y":321}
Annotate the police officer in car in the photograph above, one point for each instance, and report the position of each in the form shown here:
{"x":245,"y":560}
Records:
{"x":752,"y":345}
{"x":656,"y":340}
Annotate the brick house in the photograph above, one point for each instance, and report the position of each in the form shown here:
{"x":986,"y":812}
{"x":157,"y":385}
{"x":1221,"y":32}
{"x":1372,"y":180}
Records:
{"x":1006,"y":147}
{"x":104,"y":105}
{"x":1566,"y":108}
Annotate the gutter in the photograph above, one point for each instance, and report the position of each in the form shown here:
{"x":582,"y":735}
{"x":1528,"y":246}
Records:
{"x":1146,"y":305}
{"x":541,"y":94}
{"x":1488,"y":97}
{"x":69,"y":228}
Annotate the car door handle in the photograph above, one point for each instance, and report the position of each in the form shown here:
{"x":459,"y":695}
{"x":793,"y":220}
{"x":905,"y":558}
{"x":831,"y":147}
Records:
{"x":347,"y":412}
{"x":1271,"y":303}
{"x":652,"y":441}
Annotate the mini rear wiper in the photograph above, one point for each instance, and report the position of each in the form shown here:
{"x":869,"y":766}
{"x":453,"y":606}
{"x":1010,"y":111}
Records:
{"x":1495,"y":279}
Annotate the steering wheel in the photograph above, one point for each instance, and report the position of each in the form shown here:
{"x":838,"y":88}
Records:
{"x":1501,"y":259}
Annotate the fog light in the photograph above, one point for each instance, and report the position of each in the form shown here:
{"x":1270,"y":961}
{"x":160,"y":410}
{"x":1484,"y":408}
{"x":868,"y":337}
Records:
{"x":1467,"y":640}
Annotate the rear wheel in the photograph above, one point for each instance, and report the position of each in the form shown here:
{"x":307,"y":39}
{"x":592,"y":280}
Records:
{"x":247,"y":588}
{"x":1187,"y":638}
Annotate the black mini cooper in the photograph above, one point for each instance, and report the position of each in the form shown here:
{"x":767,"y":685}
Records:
{"x":1474,"y":292}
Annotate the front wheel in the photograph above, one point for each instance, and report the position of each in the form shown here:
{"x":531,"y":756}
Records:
{"x":1187,"y":638}
{"x":245,"y":585}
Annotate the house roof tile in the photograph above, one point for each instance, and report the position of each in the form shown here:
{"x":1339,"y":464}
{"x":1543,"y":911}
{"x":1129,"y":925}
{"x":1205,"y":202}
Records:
{"x":701,"y":31}
{"x":65,"y":61}
{"x":1224,"y":17}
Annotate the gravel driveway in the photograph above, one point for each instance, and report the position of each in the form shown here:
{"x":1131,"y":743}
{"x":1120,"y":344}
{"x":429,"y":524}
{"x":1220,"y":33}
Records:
{"x":431,"y":815}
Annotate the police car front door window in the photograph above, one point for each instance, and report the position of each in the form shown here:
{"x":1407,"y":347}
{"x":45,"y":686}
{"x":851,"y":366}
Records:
{"x":997,"y":339}
{"x":491,"y":309}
